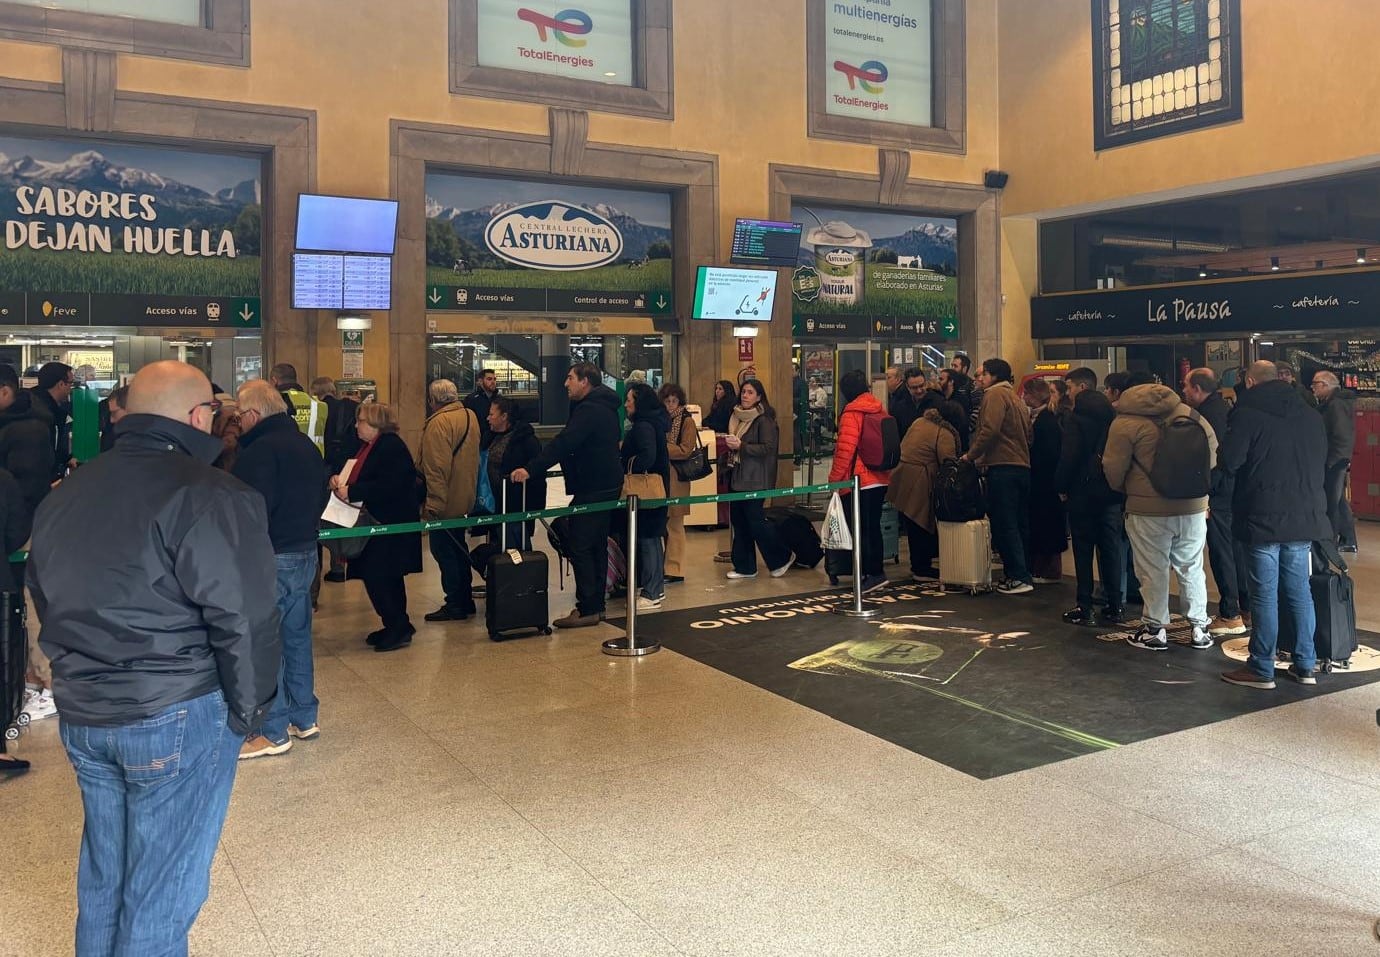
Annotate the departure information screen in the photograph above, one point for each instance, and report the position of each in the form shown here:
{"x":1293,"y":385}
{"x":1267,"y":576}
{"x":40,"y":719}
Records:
{"x":318,"y":281}
{"x":333,"y":281}
{"x":760,"y":242}
{"x":368,"y":282}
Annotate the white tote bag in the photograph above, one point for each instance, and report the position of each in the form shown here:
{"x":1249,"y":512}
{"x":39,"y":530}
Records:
{"x":836,"y":535}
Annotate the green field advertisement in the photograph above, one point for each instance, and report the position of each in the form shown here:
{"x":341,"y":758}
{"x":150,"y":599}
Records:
{"x":881,"y":274}
{"x":115,"y":235}
{"x":521,"y":246}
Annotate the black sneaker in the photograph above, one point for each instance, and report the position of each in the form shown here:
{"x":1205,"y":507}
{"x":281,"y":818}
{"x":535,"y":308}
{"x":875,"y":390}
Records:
{"x":1014,"y":586}
{"x":447,"y":613}
{"x":871,"y":583}
{"x":1115,"y":616}
{"x":395,"y":639}
{"x":1149,"y":638}
{"x":335,"y":576}
{"x":1080,"y":616}
{"x":1301,"y":676}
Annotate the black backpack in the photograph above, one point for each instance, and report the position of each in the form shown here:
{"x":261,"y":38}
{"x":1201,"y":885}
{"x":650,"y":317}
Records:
{"x":958,"y":493}
{"x":1183,"y":459}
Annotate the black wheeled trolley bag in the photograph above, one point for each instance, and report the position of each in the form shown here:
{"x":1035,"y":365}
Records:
{"x":517,"y":583}
{"x":1334,"y":606}
{"x":14,"y":648}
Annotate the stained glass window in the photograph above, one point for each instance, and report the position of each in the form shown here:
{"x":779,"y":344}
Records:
{"x":1164,"y":66}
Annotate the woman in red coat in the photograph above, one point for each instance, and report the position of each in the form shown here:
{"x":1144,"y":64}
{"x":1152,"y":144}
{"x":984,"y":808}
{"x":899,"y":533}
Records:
{"x":860,"y":404}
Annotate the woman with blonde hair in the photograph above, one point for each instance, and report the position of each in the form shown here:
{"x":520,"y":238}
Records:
{"x":384,"y":481}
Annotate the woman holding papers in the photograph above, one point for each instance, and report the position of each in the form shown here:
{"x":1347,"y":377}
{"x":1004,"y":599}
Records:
{"x":383,"y":480}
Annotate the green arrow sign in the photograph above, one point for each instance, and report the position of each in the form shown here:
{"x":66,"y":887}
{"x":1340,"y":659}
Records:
{"x":659,"y":301}
{"x":433,"y":295}
{"x":244,"y":313}
{"x":950,"y":328}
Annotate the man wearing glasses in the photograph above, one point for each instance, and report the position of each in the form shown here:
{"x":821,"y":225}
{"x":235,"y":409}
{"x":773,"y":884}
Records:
{"x":165,"y":652}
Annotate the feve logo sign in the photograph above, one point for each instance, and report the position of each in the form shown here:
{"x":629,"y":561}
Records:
{"x":870,"y":76}
{"x":565,"y":26}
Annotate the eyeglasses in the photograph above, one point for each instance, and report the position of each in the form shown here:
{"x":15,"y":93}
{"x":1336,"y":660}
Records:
{"x":214,"y":405}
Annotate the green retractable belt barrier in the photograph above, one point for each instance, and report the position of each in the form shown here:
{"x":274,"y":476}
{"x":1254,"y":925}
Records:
{"x":86,"y":424}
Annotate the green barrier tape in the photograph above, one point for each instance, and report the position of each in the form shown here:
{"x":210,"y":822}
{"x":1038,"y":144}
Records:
{"x":482,"y":521}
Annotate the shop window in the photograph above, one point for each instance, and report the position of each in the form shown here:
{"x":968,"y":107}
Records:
{"x":889,"y":75}
{"x":212,"y":31}
{"x":1164,"y":66}
{"x":609,"y":55}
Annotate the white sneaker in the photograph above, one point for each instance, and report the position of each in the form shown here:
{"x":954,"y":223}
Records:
{"x":649,"y":604}
{"x":737,"y":575}
{"x":40,"y":705}
{"x":779,"y":572}
{"x":1202,"y":639}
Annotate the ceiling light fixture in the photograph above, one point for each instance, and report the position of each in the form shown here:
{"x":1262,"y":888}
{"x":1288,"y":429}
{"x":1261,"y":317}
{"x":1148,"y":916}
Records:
{"x":1202,"y":271}
{"x":1274,"y":264}
{"x":610,"y":73}
{"x":1361,"y":255}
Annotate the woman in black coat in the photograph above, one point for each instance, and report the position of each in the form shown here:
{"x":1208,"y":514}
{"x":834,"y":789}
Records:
{"x":512,"y":443}
{"x":720,"y":415}
{"x":384,"y":481}
{"x":1049,"y":537}
{"x":644,"y":450}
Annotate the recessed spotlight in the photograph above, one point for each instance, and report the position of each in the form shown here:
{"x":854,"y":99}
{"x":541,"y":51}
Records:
{"x":1202,"y":272}
{"x":1361,"y":255}
{"x":1274,"y":264}
{"x":610,"y":73}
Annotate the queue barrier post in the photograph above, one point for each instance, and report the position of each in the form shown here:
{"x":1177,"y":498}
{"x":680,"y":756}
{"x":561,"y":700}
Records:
{"x":627,"y":646}
{"x":858,"y":610}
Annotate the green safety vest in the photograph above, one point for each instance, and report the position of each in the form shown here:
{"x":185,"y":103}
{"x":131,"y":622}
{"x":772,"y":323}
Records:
{"x":310,"y":415}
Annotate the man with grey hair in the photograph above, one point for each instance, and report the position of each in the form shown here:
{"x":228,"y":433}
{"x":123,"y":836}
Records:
{"x":449,"y":462}
{"x":1338,"y":407}
{"x":895,"y":388}
{"x":283,"y":465}
{"x":164,"y":643}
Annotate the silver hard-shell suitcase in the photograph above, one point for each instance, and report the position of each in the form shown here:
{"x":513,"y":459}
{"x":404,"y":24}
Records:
{"x":965,"y":554}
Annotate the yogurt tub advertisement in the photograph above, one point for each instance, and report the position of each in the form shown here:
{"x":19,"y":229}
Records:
{"x":878,"y":264}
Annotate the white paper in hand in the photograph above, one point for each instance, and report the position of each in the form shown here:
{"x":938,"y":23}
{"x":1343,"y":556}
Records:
{"x":340,"y":513}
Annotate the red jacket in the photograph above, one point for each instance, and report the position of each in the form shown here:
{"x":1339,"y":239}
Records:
{"x":850,"y":430}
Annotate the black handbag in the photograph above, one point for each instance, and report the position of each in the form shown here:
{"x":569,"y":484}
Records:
{"x":696,"y":465}
{"x":351,"y":548}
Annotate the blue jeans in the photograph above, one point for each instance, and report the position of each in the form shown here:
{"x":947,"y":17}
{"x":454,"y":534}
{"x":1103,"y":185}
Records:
{"x":651,"y":567}
{"x":296,"y":702}
{"x":155,"y":794}
{"x":1008,"y":504}
{"x":1279,"y":573}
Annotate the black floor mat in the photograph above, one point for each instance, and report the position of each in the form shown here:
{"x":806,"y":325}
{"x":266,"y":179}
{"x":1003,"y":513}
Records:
{"x":987,"y":684}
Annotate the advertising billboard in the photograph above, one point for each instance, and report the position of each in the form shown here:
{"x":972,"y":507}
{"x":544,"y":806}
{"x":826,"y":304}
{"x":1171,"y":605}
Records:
{"x":878,"y":60}
{"x":883,"y":274}
{"x":589,"y":40}
{"x":507,"y":245}
{"x":110,"y":234}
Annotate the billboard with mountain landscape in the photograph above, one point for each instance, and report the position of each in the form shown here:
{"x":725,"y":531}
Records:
{"x":113,"y":234}
{"x":892,"y":275}
{"x":507,"y":245}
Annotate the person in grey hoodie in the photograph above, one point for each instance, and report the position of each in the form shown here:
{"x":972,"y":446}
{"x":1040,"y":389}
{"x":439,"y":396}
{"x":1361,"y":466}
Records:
{"x":1338,"y":407}
{"x":1165,"y":533}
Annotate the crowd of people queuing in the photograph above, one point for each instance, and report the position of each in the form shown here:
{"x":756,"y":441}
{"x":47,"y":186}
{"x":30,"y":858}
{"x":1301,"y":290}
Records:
{"x":214,"y":663}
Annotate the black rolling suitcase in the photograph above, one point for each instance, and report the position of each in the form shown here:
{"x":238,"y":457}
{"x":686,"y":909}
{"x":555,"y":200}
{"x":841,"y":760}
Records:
{"x":14,"y":649}
{"x":1334,"y":606}
{"x":798,"y":534}
{"x":838,"y":563}
{"x":517,"y":582}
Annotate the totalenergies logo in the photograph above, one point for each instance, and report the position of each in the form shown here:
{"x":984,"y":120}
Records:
{"x":565,"y":26}
{"x":870,"y":76}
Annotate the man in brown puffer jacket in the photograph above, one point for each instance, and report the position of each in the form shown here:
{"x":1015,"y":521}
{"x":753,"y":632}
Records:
{"x":1164,"y":532}
{"x":450,"y":464}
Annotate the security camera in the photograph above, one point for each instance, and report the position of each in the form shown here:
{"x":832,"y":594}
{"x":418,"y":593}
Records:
{"x":562,"y":325}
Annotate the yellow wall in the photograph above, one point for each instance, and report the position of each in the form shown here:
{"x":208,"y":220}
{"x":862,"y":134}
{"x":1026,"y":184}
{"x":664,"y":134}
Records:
{"x":1311,"y":96}
{"x":739,"y":94}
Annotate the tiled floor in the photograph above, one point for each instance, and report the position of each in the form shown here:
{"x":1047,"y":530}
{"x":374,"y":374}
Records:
{"x":537,"y":797}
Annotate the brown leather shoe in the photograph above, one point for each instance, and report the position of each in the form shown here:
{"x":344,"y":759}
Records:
{"x":577,"y":620}
{"x":1247,"y":678}
{"x":1226,"y":626}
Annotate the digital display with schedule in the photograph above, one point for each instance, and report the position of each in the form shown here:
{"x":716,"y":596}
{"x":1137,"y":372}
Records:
{"x":318,"y":281}
{"x":759,"y":242}
{"x":368,"y":282}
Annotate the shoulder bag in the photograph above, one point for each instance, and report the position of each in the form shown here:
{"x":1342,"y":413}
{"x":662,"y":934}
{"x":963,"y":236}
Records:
{"x":694,"y":466}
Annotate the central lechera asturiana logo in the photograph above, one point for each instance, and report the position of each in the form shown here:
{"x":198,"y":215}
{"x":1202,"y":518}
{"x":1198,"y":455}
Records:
{"x":565,"y":26}
{"x":870,"y":76}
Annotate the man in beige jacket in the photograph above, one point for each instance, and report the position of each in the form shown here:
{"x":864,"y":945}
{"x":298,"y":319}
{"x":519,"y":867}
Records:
{"x":1001,"y":445}
{"x":1164,"y":532}
{"x":450,"y":464}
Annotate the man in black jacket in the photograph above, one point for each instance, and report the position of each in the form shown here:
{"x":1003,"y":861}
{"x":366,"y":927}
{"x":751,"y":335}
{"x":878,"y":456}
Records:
{"x":26,"y":440}
{"x":284,"y":466}
{"x":1338,"y":408}
{"x":1094,"y":510}
{"x":1274,"y":453}
{"x":478,"y":401}
{"x":913,"y":400}
{"x":342,"y":444}
{"x":1225,"y":555}
{"x":164,"y":643}
{"x":587,"y":449}
{"x":53,"y":395}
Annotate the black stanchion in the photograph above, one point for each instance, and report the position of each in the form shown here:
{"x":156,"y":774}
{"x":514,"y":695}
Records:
{"x":627,"y":647}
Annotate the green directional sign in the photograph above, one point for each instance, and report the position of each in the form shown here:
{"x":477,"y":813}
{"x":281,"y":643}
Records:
{"x":949,"y":327}
{"x":244,"y":313}
{"x":659,"y":302}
